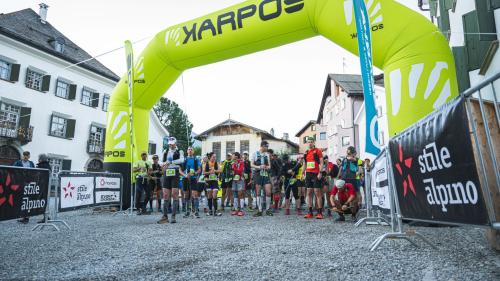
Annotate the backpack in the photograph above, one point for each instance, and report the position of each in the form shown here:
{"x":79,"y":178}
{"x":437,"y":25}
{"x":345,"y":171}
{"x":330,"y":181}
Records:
{"x":184,"y":167}
{"x":349,"y":169}
{"x":316,"y":157}
{"x":207,"y":167}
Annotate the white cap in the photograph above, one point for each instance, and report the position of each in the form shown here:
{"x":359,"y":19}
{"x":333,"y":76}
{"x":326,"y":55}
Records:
{"x":172,"y":140}
{"x":340,"y":183}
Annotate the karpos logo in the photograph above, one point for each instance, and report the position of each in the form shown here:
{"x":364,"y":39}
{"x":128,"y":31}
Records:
{"x":266,"y":10}
{"x":68,"y":190}
{"x":374,"y":12}
{"x":7,"y":190}
{"x":118,"y":137}
{"x":407,"y":163}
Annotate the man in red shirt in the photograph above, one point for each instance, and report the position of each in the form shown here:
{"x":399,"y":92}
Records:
{"x":314,"y":164}
{"x":346,"y":202}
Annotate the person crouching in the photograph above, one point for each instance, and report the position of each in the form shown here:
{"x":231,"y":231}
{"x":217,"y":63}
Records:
{"x":346,"y":201}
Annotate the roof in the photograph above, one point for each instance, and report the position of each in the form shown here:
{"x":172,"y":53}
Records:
{"x":351,"y":83}
{"x":311,"y":122}
{"x":25,"y":26}
{"x":231,"y":122}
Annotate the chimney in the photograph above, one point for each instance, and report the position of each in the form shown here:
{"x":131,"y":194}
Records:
{"x":43,"y":12}
{"x":285,"y":136}
{"x":272,"y":132}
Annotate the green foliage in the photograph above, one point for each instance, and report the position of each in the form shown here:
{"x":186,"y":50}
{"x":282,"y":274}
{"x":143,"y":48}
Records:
{"x":175,"y":121}
{"x":197,"y":151}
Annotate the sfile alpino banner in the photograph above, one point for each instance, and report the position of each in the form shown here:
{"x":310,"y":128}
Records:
{"x":23,"y":192}
{"x":434,"y":169}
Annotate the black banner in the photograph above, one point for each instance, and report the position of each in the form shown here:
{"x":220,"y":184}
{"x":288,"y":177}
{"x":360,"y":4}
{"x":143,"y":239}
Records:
{"x":23,"y":192}
{"x":434,"y":169}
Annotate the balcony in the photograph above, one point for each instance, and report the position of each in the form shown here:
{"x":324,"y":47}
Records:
{"x":95,"y":147}
{"x":22,"y":134}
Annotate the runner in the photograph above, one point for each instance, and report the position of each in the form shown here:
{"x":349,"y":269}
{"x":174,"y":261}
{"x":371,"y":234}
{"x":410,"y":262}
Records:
{"x":142,"y":170}
{"x":288,"y":172}
{"x":192,"y":169}
{"x":349,"y":169}
{"x":173,"y":158}
{"x":155,"y":183}
{"x":326,"y":184}
{"x":299,"y":176}
{"x":314,"y":164}
{"x":238,"y":184}
{"x":261,"y":163}
{"x":211,"y":171}
{"x":247,"y":174}
{"x":202,"y":184}
{"x":275,"y":179}
{"x":227,"y":178}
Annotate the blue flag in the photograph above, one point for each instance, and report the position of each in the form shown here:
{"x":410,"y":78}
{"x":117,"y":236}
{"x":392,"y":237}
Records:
{"x":365,"y":54}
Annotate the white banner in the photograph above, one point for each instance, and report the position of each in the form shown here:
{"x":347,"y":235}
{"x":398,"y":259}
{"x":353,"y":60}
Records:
{"x":108,"y":183}
{"x":380,"y":184}
{"x":107,"y":197}
{"x":76,"y":192}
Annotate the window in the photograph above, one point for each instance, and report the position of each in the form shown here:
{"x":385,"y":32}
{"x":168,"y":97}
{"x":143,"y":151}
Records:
{"x":9,"y":119}
{"x":95,"y":165}
{"x":151,"y":148}
{"x":230,"y":146}
{"x":62,"y":127}
{"x":346,"y":141}
{"x":322,"y":136}
{"x":313,"y":128}
{"x":34,"y":80}
{"x":58,"y":164}
{"x":105,"y":103}
{"x":216,"y":148}
{"x":96,"y":134}
{"x":5,"y":69}
{"x":62,"y":89}
{"x":244,"y":146}
{"x":305,"y":139}
{"x":89,"y":97}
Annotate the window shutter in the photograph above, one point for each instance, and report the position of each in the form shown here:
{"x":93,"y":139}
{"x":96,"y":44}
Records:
{"x":486,"y":21}
{"x":70,"y":128}
{"x":461,"y":62}
{"x":24,"y":120}
{"x":72,"y":92}
{"x":45,"y":83}
{"x":95,"y":99}
{"x":14,"y":73}
{"x":494,"y":4}
{"x":66,"y":165}
{"x":103,"y":136}
{"x":153,"y":148}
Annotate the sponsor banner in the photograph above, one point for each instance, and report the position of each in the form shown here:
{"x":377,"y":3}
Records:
{"x":434,"y":170}
{"x":365,"y":55}
{"x":76,"y":192}
{"x":107,"y":196}
{"x":380,"y":186}
{"x":107,"y":183}
{"x":23,"y":192}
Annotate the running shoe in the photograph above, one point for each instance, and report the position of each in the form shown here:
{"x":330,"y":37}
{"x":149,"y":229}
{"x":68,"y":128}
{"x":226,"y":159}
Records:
{"x":309,"y":216}
{"x":234,"y":213}
{"x":24,"y":220}
{"x":299,"y":212}
{"x":240,"y":213}
{"x":187,"y":215}
{"x":287,"y":212}
{"x":210,"y":213}
{"x":197,"y":215}
{"x":269,"y":212}
{"x":258,"y":214}
{"x":218,"y":214}
{"x":163,"y":220}
{"x":173,"y":220}
{"x":319,"y":216}
{"x":341,"y":218}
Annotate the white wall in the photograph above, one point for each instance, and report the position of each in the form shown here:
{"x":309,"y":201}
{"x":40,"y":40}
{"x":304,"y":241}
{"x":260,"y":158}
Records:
{"x":254,"y":139}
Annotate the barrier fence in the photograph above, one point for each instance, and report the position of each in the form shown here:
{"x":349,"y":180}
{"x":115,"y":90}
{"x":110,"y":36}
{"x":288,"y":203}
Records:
{"x":443,"y":169}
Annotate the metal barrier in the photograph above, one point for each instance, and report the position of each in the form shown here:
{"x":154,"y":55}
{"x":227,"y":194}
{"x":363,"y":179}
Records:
{"x":482,"y":104}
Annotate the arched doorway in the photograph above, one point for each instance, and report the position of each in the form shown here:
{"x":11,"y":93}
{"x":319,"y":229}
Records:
{"x":95,"y":165}
{"x":8,"y":155}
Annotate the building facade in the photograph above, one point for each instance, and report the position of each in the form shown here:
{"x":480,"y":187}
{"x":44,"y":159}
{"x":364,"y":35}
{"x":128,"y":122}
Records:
{"x":48,"y":105}
{"x":312,"y":130}
{"x":230,"y":136}
{"x":341,"y":104}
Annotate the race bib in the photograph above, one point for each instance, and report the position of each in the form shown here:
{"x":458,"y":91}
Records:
{"x":264,"y":173}
{"x":170,"y":172}
{"x":201,"y":179}
{"x":212,"y":177}
{"x":191,"y":171}
{"x":237,"y":177}
{"x":228,"y":179}
{"x":245,"y":176}
{"x":311,"y":165}
{"x":293,"y":181}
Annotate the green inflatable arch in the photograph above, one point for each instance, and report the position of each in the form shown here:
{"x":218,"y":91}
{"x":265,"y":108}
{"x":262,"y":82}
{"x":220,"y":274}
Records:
{"x":416,"y":59}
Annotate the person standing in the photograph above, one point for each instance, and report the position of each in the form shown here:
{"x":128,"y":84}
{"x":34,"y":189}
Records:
{"x":192,"y":169}
{"x":43,"y":163}
{"x":226,"y":178}
{"x":349,"y":169}
{"x":173,"y":159}
{"x":25,"y":162}
{"x":261,"y":163}
{"x":275,"y":179}
{"x":155,"y":183}
{"x":288,"y":172}
{"x":142,"y":170}
{"x":247,"y":174}
{"x":211,"y":172}
{"x":314,"y":164}
{"x":238,"y":184}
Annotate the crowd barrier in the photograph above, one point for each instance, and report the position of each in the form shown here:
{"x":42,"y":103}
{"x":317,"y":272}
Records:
{"x":431,"y":172}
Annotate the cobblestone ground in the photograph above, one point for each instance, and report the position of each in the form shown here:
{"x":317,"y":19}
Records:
{"x":106,"y":247}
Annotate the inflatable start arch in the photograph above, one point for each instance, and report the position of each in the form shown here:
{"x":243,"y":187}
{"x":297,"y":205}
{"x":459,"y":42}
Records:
{"x":416,"y":59}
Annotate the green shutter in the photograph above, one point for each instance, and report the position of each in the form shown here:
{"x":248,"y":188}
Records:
{"x":486,"y":21}
{"x":24,"y":120}
{"x":461,"y":65}
{"x":66,"y":165}
{"x":95,"y":99}
{"x":72,"y":92}
{"x":444,"y":18}
{"x":46,"y":83}
{"x":476,"y":48}
{"x":433,"y":6}
{"x":493,"y":4}
{"x":14,"y":72}
{"x":70,"y":128}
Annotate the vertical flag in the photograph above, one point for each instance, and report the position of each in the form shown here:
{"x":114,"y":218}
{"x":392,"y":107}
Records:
{"x":129,"y":54}
{"x":365,"y":54}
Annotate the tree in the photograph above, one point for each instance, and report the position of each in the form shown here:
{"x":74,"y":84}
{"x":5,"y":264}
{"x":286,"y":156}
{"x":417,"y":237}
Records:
{"x":177,"y":123}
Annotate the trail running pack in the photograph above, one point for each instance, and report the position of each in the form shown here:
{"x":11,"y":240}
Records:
{"x":349,"y":169}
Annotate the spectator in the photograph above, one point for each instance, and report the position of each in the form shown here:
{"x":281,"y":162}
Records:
{"x":43,"y":163}
{"x":367,"y":164}
{"x":25,"y":162}
{"x":346,"y":202}
{"x":349,"y":169}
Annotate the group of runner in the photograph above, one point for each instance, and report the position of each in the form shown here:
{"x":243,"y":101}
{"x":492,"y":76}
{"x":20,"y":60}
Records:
{"x":261,"y":183}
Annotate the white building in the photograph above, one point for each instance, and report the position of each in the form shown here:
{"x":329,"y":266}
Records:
{"x":46,"y":106}
{"x":230,"y":136}
{"x":315,"y":131}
